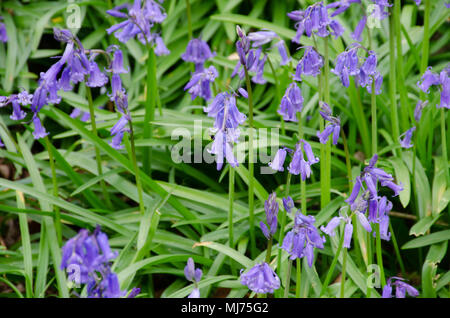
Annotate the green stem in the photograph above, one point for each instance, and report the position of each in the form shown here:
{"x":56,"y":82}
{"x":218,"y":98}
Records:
{"x":332,"y":266}
{"x":288,"y":279}
{"x":189,"y":19}
{"x":374,"y":119}
{"x":250,"y":165}
{"x":397,"y":250}
{"x":426,"y":37}
{"x":149,"y":117}
{"x":299,"y":278}
{"x":400,"y":72}
{"x":230,"y":212}
{"x":136,"y":169}
{"x":369,"y":259}
{"x":444,"y":143}
{"x":380,"y":256}
{"x":269,"y":250}
{"x":97,"y":150}
{"x":347,"y":160}
{"x":344,"y":265}
{"x":57,"y":215}
{"x":326,"y":181}
{"x":392,"y":86}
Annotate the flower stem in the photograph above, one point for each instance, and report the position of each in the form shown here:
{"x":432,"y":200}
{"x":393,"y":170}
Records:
{"x":269,"y":250}
{"x":369,"y":260}
{"x":299,"y":278}
{"x":374,"y":119}
{"x":57,"y":215}
{"x":326,"y":178}
{"x":149,"y":117}
{"x":397,"y":250}
{"x":392,"y":86}
{"x":380,"y":256}
{"x":344,"y":264}
{"x":282,"y":226}
{"x":97,"y":151}
{"x":136,"y":169}
{"x":332,"y":266}
{"x":444,"y":143}
{"x":230,"y":211}
{"x":288,"y":279}
{"x":250,"y":165}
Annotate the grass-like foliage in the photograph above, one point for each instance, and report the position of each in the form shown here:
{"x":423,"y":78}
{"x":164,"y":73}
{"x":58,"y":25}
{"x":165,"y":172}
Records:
{"x":227,"y":148}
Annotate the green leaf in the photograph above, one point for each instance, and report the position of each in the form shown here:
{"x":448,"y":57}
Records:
{"x":428,"y":240}
{"x":238,"y":257}
{"x":423,"y":225}
{"x":402,"y":176}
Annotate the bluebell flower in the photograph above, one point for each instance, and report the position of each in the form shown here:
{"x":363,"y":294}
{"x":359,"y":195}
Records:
{"x":428,"y":79}
{"x":223,"y":149}
{"x":314,"y":20}
{"x":407,"y":135}
{"x":39,"y":130}
{"x":223,"y":108}
{"x":356,"y":35}
{"x":197,"y":51}
{"x":310,"y":64}
{"x":117,"y":61}
{"x":139,"y":22}
{"x":401,"y":288}
{"x":160,"y":46}
{"x":260,"y":38}
{"x":303,"y":238}
{"x":444,"y":78}
{"x":288,"y":204}
{"x":200,"y":83}
{"x":291,"y":103}
{"x":278,"y":161}
{"x":341,"y":5}
{"x":271,"y":209}
{"x":193,"y":275}
{"x":260,"y":279}
{"x":3,"y":33}
{"x":285,"y":59}
{"x":333,"y":128}
{"x":298,"y":164}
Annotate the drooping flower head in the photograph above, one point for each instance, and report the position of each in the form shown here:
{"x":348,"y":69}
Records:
{"x":314,"y":20}
{"x":334,"y":126}
{"x":405,"y":138}
{"x":310,"y":64}
{"x":260,"y":279}
{"x":303,"y":238}
{"x":401,"y":288}
{"x":291,"y":103}
{"x":3,"y":33}
{"x":298,"y":164}
{"x":197,"y":52}
{"x":200,"y":83}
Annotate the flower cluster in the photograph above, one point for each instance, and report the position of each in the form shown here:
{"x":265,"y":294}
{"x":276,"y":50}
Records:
{"x":198,"y":52}
{"x":369,"y":201}
{"x":260,"y":279}
{"x":87,"y":259}
{"x":291,"y":103}
{"x":334,"y":126}
{"x":310,"y":64}
{"x":315,"y":20}
{"x":378,"y":12}
{"x":348,"y":63}
{"x":303,"y":238}
{"x":298,"y":163}
{"x":442,"y":81}
{"x":401,"y":288}
{"x":271,"y":209}
{"x":140,"y":19}
{"x":252,"y":58}
{"x":193,"y":275}
{"x":227,"y":120}
{"x":3,"y":34}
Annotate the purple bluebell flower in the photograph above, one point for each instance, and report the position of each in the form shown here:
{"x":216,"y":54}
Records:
{"x":444,"y":79}
{"x":3,"y":33}
{"x":197,"y":51}
{"x":260,"y":38}
{"x":278,"y":161}
{"x":260,"y":279}
{"x":223,"y":108}
{"x":191,"y":273}
{"x":314,"y":20}
{"x":310,"y":64}
{"x":18,"y":113}
{"x":222,"y":148}
{"x":401,"y":288}
{"x":356,"y":35}
{"x":418,"y":2}
{"x":243,"y":92}
{"x":407,"y":135}
{"x":333,"y":128}
{"x":285,"y":59}
{"x":24,"y":98}
{"x":418,"y":110}
{"x":298,"y":164}
{"x":116,"y":141}
{"x":428,"y":79}
{"x":291,"y":103}
{"x":199,"y":85}
{"x":341,"y":5}
{"x":96,"y":77}
{"x":117,"y":61}
{"x":160,"y":47}
{"x":1,"y":143}
{"x":288,"y":204}
{"x":303,"y":238}
{"x":39,"y":131}
{"x":271,"y":209}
